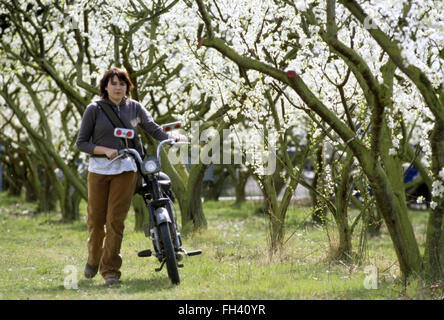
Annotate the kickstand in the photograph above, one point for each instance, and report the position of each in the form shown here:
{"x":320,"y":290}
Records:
{"x":161,"y":266}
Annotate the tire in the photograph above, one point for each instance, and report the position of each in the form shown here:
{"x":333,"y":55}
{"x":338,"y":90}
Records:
{"x":170,"y":255}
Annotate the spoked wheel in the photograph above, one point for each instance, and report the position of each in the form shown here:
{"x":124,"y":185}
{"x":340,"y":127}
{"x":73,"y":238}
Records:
{"x":170,"y":255}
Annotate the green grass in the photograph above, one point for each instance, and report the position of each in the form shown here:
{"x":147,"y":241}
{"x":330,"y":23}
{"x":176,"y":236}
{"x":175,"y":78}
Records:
{"x":35,"y":249}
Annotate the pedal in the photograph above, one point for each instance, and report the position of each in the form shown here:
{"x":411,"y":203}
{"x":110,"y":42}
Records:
{"x":180,"y":265}
{"x":194,"y":252}
{"x":144,"y":253}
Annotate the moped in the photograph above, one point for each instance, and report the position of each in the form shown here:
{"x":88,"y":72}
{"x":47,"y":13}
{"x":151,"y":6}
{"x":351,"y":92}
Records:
{"x":158,"y":198}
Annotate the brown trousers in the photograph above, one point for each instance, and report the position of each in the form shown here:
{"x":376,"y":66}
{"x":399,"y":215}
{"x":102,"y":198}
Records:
{"x":109,"y":199}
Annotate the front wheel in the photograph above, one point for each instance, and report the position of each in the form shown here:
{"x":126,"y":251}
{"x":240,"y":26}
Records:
{"x":170,"y":255}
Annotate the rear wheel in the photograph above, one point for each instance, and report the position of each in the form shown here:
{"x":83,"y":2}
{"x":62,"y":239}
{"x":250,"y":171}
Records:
{"x":170,"y":255}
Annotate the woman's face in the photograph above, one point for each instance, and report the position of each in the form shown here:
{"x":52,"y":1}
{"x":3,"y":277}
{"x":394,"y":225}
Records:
{"x":116,"y":89}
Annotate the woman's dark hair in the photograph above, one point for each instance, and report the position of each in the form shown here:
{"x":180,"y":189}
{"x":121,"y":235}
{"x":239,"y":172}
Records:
{"x":121,"y":75}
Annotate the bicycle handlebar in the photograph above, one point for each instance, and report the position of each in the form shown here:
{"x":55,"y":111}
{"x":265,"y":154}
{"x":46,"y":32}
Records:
{"x":133,"y":152}
{"x":171,"y":142}
{"x":137,"y":156}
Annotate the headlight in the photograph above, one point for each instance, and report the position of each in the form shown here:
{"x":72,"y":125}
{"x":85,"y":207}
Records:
{"x":150,"y":166}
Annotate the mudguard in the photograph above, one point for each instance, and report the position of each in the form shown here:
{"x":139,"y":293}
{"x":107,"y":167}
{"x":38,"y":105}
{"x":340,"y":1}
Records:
{"x":162,"y":215}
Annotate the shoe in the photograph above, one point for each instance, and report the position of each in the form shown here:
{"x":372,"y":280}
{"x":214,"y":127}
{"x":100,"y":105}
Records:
{"x":109,"y":282}
{"x":90,"y":272}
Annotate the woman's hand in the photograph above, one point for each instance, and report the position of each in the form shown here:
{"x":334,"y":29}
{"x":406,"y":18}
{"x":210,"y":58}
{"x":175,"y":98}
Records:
{"x":179,"y":137}
{"x":108,"y":152}
{"x":111,"y":153}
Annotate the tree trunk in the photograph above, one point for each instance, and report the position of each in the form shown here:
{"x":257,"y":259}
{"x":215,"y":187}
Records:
{"x":344,"y":251}
{"x":140,"y":212}
{"x":319,"y":213}
{"x":277,"y":230}
{"x":374,"y":222}
{"x":433,"y":253}
{"x":14,"y":183}
{"x":441,"y":243}
{"x":212,"y":190}
{"x":239,"y":179}
{"x":240,"y":186}
{"x":433,"y":247}
{"x":394,"y":212}
{"x":190,"y":203}
{"x":69,"y":203}
{"x":48,"y":195}
{"x":276,"y":224}
{"x":278,"y":210}
{"x":279,"y":181}
{"x":341,"y":217}
{"x":240,"y":191}
{"x":31,"y":194}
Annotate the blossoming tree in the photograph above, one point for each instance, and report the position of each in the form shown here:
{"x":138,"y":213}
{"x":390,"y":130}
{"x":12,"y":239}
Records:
{"x":281,"y":38}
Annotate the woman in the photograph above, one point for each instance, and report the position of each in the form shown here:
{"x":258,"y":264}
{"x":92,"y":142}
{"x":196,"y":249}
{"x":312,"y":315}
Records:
{"x":111,"y":184}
